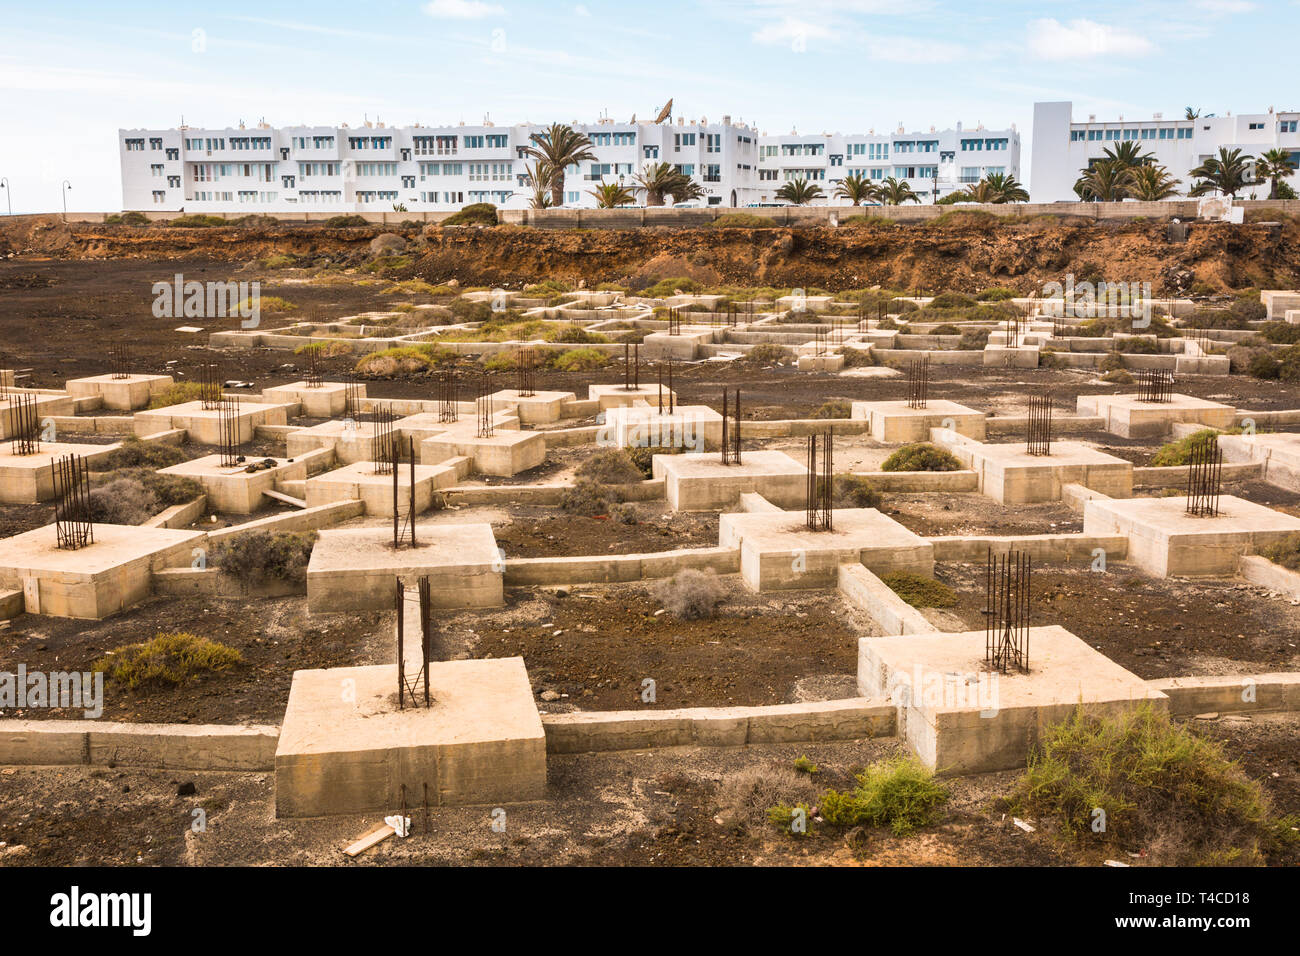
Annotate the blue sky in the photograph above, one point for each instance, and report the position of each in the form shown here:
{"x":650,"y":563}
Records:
{"x":72,"y":73}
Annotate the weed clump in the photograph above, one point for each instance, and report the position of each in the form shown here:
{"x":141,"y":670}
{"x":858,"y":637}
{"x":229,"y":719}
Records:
{"x":264,"y":555}
{"x":857,"y":491}
{"x":901,"y":794}
{"x":1180,"y":452}
{"x":614,"y":466}
{"x":1285,"y":552}
{"x":767,"y":354}
{"x":178,"y":393}
{"x":135,"y":453}
{"x":835,"y":408}
{"x":921,"y":456}
{"x":690,"y":594}
{"x":169,"y":660}
{"x":745,"y":796}
{"x":920,"y":591}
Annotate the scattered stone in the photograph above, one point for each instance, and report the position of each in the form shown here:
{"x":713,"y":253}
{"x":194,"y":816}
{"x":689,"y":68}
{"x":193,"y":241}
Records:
{"x":187,"y":789}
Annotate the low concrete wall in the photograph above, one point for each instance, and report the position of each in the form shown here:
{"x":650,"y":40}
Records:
{"x":1248,"y":692}
{"x":800,"y":427}
{"x":179,"y":516}
{"x":1051,"y":548}
{"x":544,"y":494}
{"x":166,"y":746}
{"x":1175,"y":476}
{"x":12,"y":603}
{"x":1260,"y":570}
{"x":916,"y":482}
{"x":567,"y":437}
{"x":308,"y":519}
{"x":97,"y":424}
{"x":895,"y":616}
{"x":1061,"y":425}
{"x":210,"y":582}
{"x":615,"y":568}
{"x":854,"y":718}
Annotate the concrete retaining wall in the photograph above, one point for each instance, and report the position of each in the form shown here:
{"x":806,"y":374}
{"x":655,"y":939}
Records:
{"x":544,"y":494}
{"x":180,"y":516}
{"x":1251,"y":692}
{"x":1051,"y":548}
{"x":916,"y":482}
{"x":616,"y":568}
{"x":210,"y":582}
{"x":866,"y":591}
{"x":1061,"y":425}
{"x":1260,"y":570}
{"x":166,"y":746}
{"x":308,"y":519}
{"x":1175,"y":476}
{"x":854,"y":718}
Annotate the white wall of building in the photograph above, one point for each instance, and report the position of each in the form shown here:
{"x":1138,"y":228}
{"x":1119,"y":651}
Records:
{"x":1063,"y":147}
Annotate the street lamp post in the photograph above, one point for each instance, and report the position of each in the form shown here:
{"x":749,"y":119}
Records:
{"x":9,"y":195}
{"x":66,"y":186}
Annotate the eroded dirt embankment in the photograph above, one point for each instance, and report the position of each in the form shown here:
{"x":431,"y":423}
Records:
{"x":960,"y":252}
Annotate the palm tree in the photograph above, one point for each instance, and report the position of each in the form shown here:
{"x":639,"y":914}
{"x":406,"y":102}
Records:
{"x":799,"y":192}
{"x":1274,"y":165}
{"x":1003,"y":188}
{"x":1129,"y":155}
{"x":1225,"y":173}
{"x":894,"y":192}
{"x":560,"y":146}
{"x":1104,"y":181}
{"x":1151,"y":183}
{"x":659,"y":180}
{"x":539,"y":177}
{"x":611,"y":195}
{"x":1193,"y":113}
{"x":856,"y":188}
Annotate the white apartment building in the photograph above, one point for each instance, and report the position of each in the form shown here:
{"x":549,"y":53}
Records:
{"x":1063,"y":147}
{"x":935,"y":163}
{"x":374,"y":167}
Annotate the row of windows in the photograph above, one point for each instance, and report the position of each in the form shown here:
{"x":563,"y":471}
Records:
{"x":214,"y":172}
{"x":250,"y":142}
{"x":451,"y":198}
{"x":314,"y":142}
{"x":376,"y":195}
{"x":497,"y":172}
{"x":978,"y":145}
{"x":612,"y":139}
{"x":1129,"y":135}
{"x":320,"y":195}
{"x":376,"y":169}
{"x":369,"y":142}
{"x":442,"y":169}
{"x":917,"y":146}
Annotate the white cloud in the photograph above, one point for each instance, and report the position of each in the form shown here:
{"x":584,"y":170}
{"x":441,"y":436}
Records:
{"x":1050,"y":39}
{"x":790,"y":30}
{"x":912,"y":50}
{"x":581,"y":10}
{"x":1225,"y":7}
{"x":462,"y":9}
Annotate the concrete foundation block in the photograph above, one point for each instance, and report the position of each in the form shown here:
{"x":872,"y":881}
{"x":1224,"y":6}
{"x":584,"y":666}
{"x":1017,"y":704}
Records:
{"x":204,"y":425}
{"x":119,"y":394}
{"x":896,"y":423}
{"x":1125,"y":415}
{"x":235,"y":489}
{"x":1010,"y":475}
{"x":325,"y":400}
{"x":539,"y":408}
{"x":362,"y":481}
{"x":701,"y":482}
{"x":695,"y":427}
{"x":480,"y":742}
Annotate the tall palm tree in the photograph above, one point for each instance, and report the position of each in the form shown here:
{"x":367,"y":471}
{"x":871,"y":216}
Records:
{"x":1104,"y":181}
{"x":1129,"y":155}
{"x":1274,"y":165}
{"x":895,"y":192}
{"x":560,"y":146}
{"x":539,"y":178}
{"x":1151,"y":183}
{"x":1004,"y":188}
{"x":856,"y":188}
{"x":659,"y":180}
{"x":1226,"y":173}
{"x":800,"y":192}
{"x":1193,"y":113}
{"x":611,"y":195}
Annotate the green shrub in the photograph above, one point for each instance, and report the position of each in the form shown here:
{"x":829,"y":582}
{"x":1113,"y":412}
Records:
{"x":643,"y":456}
{"x":666,"y":287}
{"x":946,"y":328}
{"x":575,"y":335}
{"x":1216,"y":319}
{"x":121,"y":501}
{"x":743,"y":220}
{"x":171,"y":660}
{"x":901,"y":794}
{"x":1117,"y":376}
{"x":345,"y":222}
{"x":331,"y":349}
{"x":689,"y":594}
{"x":589,"y":498}
{"x":803,"y":765}
{"x":197,"y":222}
{"x":1262,"y":365}
{"x":178,"y":393}
{"x":1280,"y":333}
{"x":614,"y":466}
{"x":782,"y":817}
{"x":767,"y":354}
{"x":974,"y":340}
{"x":835,"y":408}
{"x":135,"y":453}
{"x":1112,"y":362}
{"x":1289,"y":364}
{"x":475,"y":214}
{"x":857,"y":491}
{"x":996,"y":293}
{"x":383,"y":265}
{"x":857,"y":358}
{"x":921,"y":456}
{"x":951,"y":300}
{"x":744,"y":796}
{"x":277,"y":261}
{"x":1179,"y":452}
{"x":580,"y":360}
{"x":256,"y":556}
{"x":1162,"y":788}
{"x":1136,"y":346}
{"x":404,"y":359}
{"x":1285,"y":552}
{"x":919,"y":590}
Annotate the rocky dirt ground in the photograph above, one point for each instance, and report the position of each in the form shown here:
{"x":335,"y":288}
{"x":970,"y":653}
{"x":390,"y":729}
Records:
{"x":657,"y":808}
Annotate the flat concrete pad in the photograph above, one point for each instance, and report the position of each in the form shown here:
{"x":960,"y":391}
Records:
{"x":345,"y":747}
{"x":361,"y":480}
{"x":777,"y":551}
{"x":1278,"y":455}
{"x":895,"y":422}
{"x":1164,"y":540}
{"x":204,"y":424}
{"x":696,"y":427}
{"x":961,"y":718}
{"x":616,"y":396}
{"x":353,"y":569}
{"x":96,"y":581}
{"x":119,"y":394}
{"x":1126,"y":415}
{"x":27,"y":479}
{"x":1010,"y":475}
{"x":539,"y":408}
{"x":320,"y":401}
{"x":703,"y":483}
